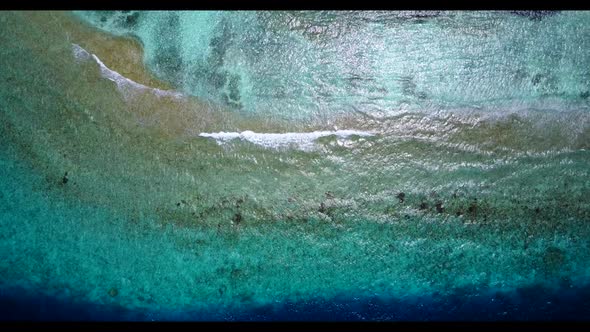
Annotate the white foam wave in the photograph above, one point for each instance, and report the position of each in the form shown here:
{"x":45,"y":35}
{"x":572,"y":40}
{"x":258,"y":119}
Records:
{"x":80,"y":53}
{"x":303,"y":141}
{"x":124,"y":84}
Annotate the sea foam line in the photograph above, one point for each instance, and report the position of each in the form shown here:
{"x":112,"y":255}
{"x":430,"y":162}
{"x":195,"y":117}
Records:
{"x":121,"y":81}
{"x":303,"y":141}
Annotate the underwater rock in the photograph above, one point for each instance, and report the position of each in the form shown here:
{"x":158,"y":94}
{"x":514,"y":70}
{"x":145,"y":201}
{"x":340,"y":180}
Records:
{"x":113,"y":292}
{"x":419,"y":14}
{"x":401,"y":197}
{"x":131,"y":20}
{"x":423,"y":206}
{"x":167,"y":59}
{"x":222,"y":290}
{"x":233,"y":96}
{"x":473,"y":208}
{"x":236,"y":273}
{"x":237,"y":218}
{"x":322,"y":208}
{"x":535,"y":15}
{"x":537,"y":79}
{"x":65,"y":179}
{"x":439,"y":207}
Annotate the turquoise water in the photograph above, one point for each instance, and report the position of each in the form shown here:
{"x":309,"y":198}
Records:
{"x":463,"y":195}
{"x":313,"y":64}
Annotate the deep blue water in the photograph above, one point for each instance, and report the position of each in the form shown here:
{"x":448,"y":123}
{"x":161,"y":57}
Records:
{"x":526,"y":304}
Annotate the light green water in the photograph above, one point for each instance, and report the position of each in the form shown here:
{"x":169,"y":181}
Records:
{"x":306,"y":65}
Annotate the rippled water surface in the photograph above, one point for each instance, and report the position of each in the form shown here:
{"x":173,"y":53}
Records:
{"x":295,"y":165}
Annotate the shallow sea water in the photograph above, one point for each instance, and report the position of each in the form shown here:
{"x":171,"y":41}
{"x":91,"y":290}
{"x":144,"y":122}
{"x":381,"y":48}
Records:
{"x":294,"y":166}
